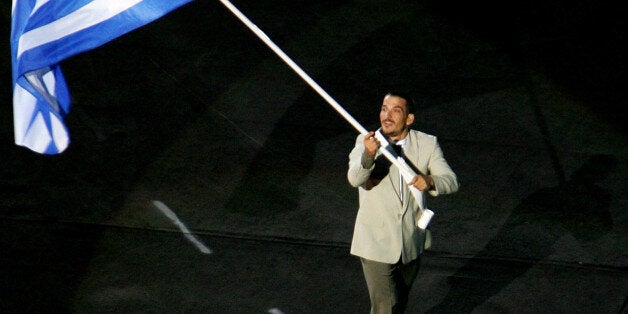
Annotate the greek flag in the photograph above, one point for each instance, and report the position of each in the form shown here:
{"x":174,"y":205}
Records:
{"x":45,"y":32}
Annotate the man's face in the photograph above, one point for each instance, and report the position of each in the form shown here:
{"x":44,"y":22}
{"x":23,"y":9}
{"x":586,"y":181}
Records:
{"x":395,"y":118}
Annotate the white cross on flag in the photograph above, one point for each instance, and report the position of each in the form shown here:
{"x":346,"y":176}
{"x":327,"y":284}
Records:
{"x":45,"y":32}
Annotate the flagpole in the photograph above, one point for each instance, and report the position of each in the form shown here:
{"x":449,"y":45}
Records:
{"x":294,"y":66}
{"x":407,"y":172}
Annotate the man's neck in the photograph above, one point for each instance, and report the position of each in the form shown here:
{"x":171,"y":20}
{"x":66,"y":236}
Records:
{"x":399,"y":137}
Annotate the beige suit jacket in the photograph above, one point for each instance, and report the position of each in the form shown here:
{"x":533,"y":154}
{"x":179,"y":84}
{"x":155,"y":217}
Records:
{"x":385,"y":227}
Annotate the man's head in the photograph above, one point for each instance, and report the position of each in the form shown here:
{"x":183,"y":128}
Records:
{"x":396,"y":115}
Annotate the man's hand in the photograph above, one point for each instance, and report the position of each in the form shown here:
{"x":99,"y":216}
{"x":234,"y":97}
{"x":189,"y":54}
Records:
{"x":371,"y":144}
{"x":422,"y":182}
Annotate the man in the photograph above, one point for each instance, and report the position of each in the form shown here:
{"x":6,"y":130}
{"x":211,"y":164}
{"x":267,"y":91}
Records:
{"x":386,"y":236}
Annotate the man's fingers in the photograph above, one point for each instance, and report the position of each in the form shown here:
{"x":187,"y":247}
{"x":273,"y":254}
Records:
{"x":419,"y":182}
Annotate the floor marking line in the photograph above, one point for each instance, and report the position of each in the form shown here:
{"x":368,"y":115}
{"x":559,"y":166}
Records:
{"x":186,"y":232}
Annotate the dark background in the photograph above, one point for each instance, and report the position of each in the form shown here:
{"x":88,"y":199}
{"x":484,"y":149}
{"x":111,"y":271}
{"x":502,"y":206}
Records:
{"x":527,"y":99}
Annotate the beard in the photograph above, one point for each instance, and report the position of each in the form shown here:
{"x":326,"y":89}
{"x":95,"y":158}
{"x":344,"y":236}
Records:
{"x":393,"y":132}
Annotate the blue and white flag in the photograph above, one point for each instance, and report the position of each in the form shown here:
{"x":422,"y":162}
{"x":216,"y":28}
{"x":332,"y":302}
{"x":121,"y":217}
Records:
{"x":45,"y":32}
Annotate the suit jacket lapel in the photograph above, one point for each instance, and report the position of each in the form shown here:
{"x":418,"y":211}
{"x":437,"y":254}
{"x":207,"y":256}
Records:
{"x":393,"y":176}
{"x":412,"y":156}
{"x":411,"y":151}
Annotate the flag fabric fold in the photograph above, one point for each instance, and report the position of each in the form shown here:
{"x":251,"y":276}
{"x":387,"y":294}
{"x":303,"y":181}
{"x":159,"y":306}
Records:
{"x":44,"y":33}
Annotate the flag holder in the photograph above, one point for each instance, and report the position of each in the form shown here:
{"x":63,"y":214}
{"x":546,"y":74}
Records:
{"x":407,"y":173}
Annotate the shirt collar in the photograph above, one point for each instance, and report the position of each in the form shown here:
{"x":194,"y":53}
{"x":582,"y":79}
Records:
{"x":402,"y":142}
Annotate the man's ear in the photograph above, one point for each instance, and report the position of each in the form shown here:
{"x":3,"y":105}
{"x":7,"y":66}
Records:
{"x":410,"y":119}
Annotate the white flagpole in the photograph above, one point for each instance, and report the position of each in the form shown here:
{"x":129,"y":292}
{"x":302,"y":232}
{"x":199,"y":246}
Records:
{"x":294,"y":66}
{"x":407,"y":172}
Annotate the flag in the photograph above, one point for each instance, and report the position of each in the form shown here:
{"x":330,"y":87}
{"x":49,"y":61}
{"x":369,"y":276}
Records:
{"x":45,"y":32}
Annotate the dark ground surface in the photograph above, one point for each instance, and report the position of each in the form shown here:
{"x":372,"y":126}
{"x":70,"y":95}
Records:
{"x":527,"y":99}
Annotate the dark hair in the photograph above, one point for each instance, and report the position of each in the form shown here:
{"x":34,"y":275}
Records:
{"x":410,"y":103}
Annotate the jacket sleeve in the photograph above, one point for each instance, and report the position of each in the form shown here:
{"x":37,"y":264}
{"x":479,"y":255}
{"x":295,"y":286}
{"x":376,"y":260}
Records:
{"x":445,"y":180}
{"x":359,"y":171}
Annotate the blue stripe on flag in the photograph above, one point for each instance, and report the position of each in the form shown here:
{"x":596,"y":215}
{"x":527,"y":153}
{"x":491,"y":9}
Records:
{"x":45,"y":32}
